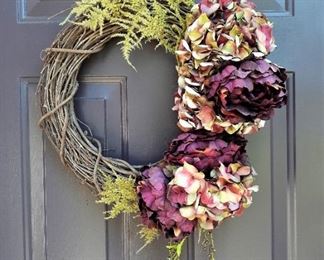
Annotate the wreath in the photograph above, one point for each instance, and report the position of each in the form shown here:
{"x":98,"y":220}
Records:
{"x":226,"y":90}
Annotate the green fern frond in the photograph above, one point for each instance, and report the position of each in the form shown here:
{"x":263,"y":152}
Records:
{"x":163,"y":21}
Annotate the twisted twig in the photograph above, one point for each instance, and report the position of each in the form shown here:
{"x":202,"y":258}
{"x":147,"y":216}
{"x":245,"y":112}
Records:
{"x":56,"y":89}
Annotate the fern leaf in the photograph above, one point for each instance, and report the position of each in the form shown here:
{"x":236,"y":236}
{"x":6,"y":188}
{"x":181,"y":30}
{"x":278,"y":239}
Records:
{"x":140,"y":20}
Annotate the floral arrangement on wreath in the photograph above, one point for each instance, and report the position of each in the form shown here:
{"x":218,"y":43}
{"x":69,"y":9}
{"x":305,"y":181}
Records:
{"x":226,"y":90}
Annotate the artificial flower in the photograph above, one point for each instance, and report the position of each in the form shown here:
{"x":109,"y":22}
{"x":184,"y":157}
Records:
{"x":237,"y":99}
{"x":206,"y":150}
{"x":249,"y":91}
{"x":159,"y":208}
{"x":210,"y":202}
{"x":224,"y":30}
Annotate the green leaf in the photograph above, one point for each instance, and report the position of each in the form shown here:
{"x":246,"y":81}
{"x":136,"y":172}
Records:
{"x":175,"y":249}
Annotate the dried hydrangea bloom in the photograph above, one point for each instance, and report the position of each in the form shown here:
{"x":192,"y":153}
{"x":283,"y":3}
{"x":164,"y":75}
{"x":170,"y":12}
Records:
{"x":225,"y":30}
{"x":210,"y":202}
{"x":206,"y":150}
{"x":160,"y":207}
{"x":237,"y":99}
{"x":196,"y":112}
{"x":221,"y":31}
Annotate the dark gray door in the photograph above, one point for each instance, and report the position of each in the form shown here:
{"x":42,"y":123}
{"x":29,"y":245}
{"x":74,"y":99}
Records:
{"x":46,"y":214}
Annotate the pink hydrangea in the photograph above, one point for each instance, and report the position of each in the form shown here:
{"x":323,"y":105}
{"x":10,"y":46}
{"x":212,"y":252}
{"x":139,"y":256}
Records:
{"x":210,"y":202}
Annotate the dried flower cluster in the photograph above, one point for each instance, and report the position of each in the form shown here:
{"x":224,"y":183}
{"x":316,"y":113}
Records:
{"x":225,"y":84}
{"x":178,"y":199}
{"x":227,"y":89}
{"x":206,"y":150}
{"x":204,"y":179}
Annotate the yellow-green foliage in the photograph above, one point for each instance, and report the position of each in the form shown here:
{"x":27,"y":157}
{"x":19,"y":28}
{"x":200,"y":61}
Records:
{"x":148,"y":235}
{"x":160,"y":20}
{"x":120,"y":194}
{"x":175,"y":249}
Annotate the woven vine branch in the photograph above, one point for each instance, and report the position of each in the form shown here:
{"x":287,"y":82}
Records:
{"x":56,"y":89}
{"x":91,"y":25}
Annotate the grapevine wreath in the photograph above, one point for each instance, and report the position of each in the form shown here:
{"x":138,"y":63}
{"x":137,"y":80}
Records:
{"x":226,"y":90}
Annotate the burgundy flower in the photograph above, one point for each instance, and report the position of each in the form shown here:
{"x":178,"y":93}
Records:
{"x":237,"y":99}
{"x":206,"y":150}
{"x":160,"y":207}
{"x":249,"y":91}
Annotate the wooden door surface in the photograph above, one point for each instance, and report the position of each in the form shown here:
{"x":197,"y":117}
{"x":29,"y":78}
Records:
{"x":45,"y":214}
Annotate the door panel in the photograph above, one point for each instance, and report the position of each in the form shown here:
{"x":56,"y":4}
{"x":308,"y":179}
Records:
{"x":54,"y":203}
{"x":46,"y":214}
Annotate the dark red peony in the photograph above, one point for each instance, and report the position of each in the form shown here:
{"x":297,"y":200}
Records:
{"x":206,"y":150}
{"x":249,"y":91}
{"x":237,"y":99}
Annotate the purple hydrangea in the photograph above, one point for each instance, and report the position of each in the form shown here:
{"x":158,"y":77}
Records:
{"x":160,"y":207}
